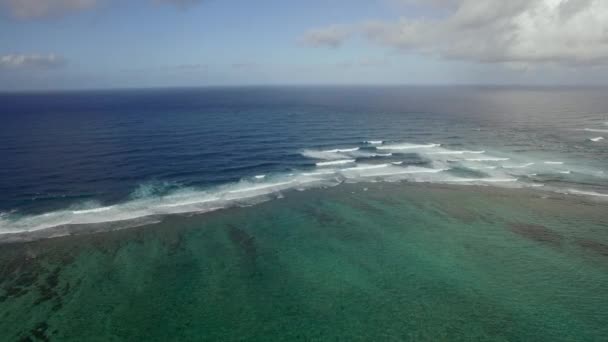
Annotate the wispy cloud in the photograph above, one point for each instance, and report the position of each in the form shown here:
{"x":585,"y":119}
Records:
{"x":27,"y":9}
{"x":523,"y":32}
{"x":332,"y":36}
{"x":33,"y":61}
{"x":32,"y":9}
{"x":181,"y":3}
{"x":245,"y":65}
{"x":195,"y":66}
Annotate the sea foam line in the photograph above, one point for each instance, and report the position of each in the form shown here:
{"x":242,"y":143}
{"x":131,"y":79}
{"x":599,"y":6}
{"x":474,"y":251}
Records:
{"x":342,"y":150}
{"x":260,"y":188}
{"x":458,"y":152}
{"x":336,"y":162}
{"x":586,"y":193}
{"x":365,"y":167}
{"x":486,"y":159}
{"x":406,"y":146}
{"x":597,"y":130}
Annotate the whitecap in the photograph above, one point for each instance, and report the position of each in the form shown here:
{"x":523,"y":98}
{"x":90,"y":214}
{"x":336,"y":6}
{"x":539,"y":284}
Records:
{"x":490,"y":180}
{"x":596,"y":139}
{"x":260,"y":187}
{"x":320,"y":173}
{"x":517,"y":166}
{"x":587,"y":193}
{"x":365,"y":167}
{"x":93,"y":210}
{"x":457,"y":152}
{"x":373,"y":142}
{"x":407,"y":171}
{"x":554,"y":163}
{"x":596,"y":130}
{"x":260,"y":176}
{"x":487,"y":159}
{"x":407,"y":146}
{"x":180,"y":204}
{"x":336,"y":162}
{"x":342,"y":150}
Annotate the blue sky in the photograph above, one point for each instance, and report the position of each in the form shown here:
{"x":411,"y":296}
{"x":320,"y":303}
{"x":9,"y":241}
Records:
{"x":73,"y":44}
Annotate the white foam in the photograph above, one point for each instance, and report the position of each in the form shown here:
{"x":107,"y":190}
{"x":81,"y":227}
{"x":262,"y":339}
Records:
{"x":374,"y":142}
{"x":366,"y":154}
{"x":489,"y":180}
{"x":517,"y":166}
{"x":180,"y":204}
{"x":342,"y":150}
{"x":415,"y":170}
{"x":458,"y":152}
{"x":365,"y":167}
{"x":260,"y":187}
{"x":93,"y":210}
{"x":596,"y":139}
{"x":388,"y":173}
{"x":587,"y":193}
{"x":487,"y":159}
{"x":406,"y":146}
{"x":596,"y":130}
{"x":565,"y":172}
{"x":316,"y":154}
{"x":336,"y":162}
{"x":320,"y":173}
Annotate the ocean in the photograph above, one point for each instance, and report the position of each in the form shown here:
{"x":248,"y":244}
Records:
{"x":305,"y":213}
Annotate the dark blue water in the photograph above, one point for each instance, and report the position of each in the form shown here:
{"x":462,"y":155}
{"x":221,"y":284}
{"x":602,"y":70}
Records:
{"x":62,"y":149}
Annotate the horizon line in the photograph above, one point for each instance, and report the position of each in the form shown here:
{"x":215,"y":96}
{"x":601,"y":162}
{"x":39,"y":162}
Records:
{"x":304,"y":85}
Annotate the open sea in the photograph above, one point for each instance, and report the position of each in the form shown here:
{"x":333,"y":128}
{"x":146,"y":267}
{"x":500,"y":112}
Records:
{"x":305,"y":214}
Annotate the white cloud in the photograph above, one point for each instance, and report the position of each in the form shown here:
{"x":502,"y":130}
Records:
{"x":572,"y":32}
{"x":332,"y":36}
{"x":31,"y":61}
{"x":41,"y":8}
{"x":29,"y":9}
{"x":181,"y":3}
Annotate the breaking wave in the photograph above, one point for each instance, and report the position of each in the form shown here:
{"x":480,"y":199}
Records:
{"x":442,"y":165}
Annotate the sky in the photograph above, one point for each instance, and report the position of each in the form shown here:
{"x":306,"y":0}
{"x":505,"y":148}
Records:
{"x":90,"y":44}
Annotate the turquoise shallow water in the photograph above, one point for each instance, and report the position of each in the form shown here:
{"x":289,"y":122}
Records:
{"x":368,"y":261}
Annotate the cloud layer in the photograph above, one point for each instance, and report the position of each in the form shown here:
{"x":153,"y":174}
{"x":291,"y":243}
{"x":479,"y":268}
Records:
{"x":31,"y":61}
{"x":30,"y":9}
{"x":181,"y":3}
{"x":573,"y":32}
{"x":331,"y":36}
{"x":26,"y":9}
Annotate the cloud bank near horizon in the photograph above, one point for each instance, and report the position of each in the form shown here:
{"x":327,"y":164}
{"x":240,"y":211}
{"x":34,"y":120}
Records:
{"x":518,"y":32}
{"x":36,"y":61}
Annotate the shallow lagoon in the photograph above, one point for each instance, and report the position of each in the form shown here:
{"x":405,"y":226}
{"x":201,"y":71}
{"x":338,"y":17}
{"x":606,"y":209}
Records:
{"x":374,"y":261}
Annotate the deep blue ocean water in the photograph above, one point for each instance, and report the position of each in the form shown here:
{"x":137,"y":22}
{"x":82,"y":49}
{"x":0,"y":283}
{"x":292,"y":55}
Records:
{"x":74,"y":156}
